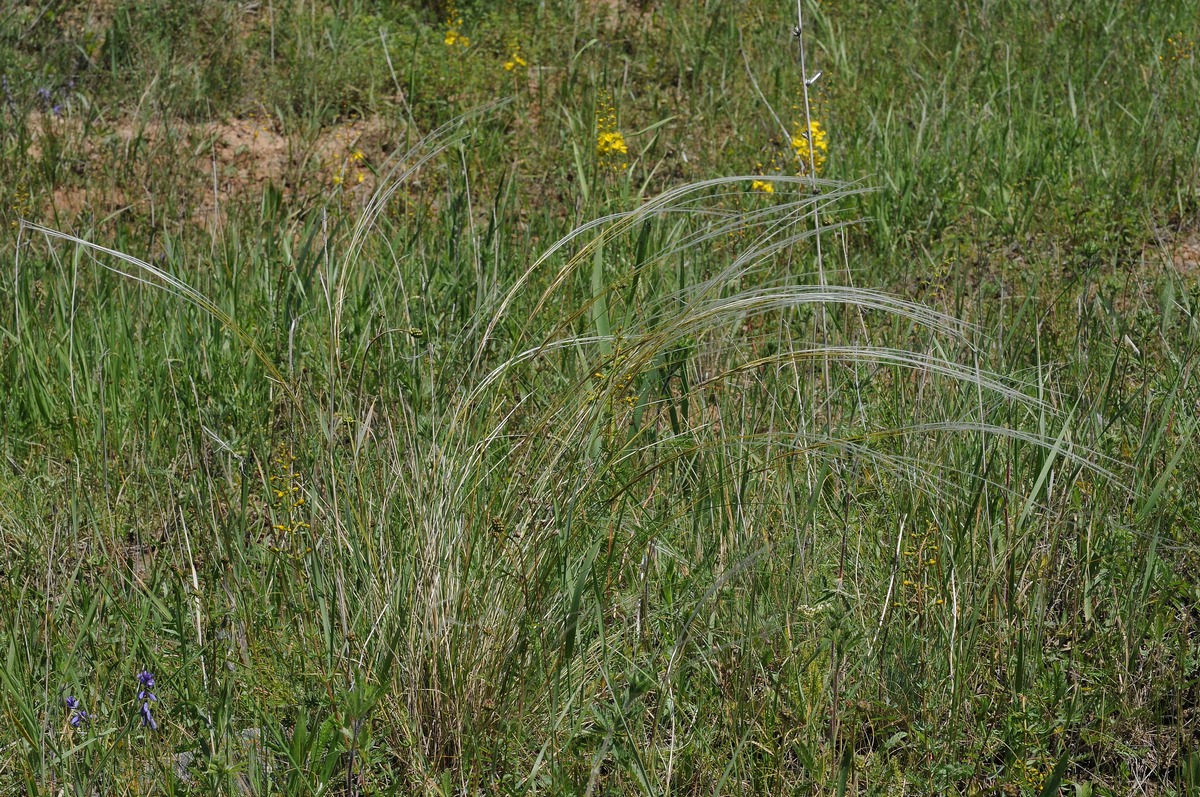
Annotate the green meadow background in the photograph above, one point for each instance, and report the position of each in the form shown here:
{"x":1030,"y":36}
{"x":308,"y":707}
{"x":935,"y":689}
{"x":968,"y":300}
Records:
{"x":418,"y":447}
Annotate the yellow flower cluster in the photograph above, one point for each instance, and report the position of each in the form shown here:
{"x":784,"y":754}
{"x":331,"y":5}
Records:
{"x":259,"y":127}
{"x":1178,"y":49}
{"x":353,"y":170}
{"x":765,"y":186}
{"x":610,"y":143}
{"x":454,"y":34}
{"x":810,"y":145}
{"x":515,"y":60}
{"x":620,"y":387}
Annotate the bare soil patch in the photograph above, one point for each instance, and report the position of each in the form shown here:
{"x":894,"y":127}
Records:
{"x":209,"y":163}
{"x":1185,"y":255}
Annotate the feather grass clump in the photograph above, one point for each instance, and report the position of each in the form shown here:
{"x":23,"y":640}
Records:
{"x":667,"y":446}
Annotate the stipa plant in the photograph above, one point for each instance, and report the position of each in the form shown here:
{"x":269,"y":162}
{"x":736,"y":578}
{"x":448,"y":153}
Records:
{"x":684,"y":416}
{"x":652,"y":500}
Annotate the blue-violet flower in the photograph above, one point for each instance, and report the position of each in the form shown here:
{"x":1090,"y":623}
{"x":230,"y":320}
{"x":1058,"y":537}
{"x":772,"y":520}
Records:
{"x":146,"y":679}
{"x":78,"y":715}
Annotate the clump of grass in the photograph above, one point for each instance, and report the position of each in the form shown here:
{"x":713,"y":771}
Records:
{"x":487,"y":548}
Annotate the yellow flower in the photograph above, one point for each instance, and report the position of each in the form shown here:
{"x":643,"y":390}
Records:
{"x":516,"y":60}
{"x":357,"y":155}
{"x":762,"y":185}
{"x":611,"y":143}
{"x":810,"y":146}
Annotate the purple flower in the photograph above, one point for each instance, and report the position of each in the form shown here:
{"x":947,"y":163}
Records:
{"x":78,"y":715}
{"x":146,"y":679}
{"x":147,"y":719}
{"x":45,"y":97}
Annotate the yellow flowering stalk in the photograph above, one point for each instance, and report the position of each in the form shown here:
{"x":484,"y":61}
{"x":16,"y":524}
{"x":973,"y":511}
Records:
{"x":286,"y":500}
{"x":21,"y":206}
{"x":454,"y":34}
{"x":354,"y":166}
{"x":762,"y":185}
{"x":810,"y":145}
{"x":610,"y":143}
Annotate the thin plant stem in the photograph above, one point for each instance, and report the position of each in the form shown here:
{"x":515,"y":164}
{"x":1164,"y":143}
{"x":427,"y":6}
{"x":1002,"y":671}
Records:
{"x":812,"y":173}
